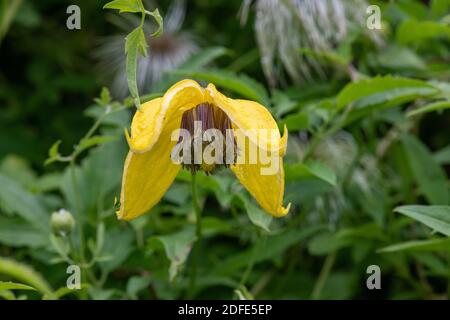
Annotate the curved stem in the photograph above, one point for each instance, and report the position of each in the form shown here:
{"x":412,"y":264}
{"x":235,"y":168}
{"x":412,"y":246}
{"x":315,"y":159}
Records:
{"x":198,"y":233}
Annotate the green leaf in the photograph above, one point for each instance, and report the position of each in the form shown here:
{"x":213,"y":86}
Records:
{"x":439,"y":8}
{"x":196,"y":62}
{"x":136,"y":284}
{"x":310,"y":169}
{"x":412,"y":31}
{"x":204,"y":57}
{"x":256,"y":215}
{"x":159,"y":20}
{"x":243,"y":293}
{"x":381,"y":92}
{"x":434,"y":106}
{"x":105,"y":97}
{"x":442,"y":244}
{"x":53,"y":153}
{"x":326,"y":242}
{"x":400,"y":58}
{"x":125,"y":5}
{"x":24,"y":274}
{"x":17,"y":233}
{"x":93,"y":141}
{"x":177,"y":247}
{"x":15,"y":199}
{"x":283,"y":103}
{"x":61,"y":246}
{"x":430,"y":176}
{"x":118,"y":245}
{"x":435,"y":217}
{"x":275,"y":245}
{"x":135,"y":42}
{"x":97,"y":176}
{"x":297,"y":121}
{"x":241,"y":84}
{"x":442,"y":156}
{"x":14,"y":286}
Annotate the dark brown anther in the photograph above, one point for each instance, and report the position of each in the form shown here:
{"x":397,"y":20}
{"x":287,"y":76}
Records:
{"x":202,"y":118}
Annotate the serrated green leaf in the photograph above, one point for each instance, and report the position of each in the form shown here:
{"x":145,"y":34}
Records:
{"x":435,"y":217}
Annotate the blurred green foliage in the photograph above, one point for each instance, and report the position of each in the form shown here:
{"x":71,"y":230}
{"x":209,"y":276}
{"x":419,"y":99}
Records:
{"x":367,"y":166}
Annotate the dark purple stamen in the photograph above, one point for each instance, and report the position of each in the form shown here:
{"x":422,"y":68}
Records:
{"x":210,"y":117}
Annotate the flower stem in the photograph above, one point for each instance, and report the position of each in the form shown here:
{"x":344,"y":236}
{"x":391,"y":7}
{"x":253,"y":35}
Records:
{"x":323,"y":276}
{"x":198,"y":233}
{"x":197,"y":209}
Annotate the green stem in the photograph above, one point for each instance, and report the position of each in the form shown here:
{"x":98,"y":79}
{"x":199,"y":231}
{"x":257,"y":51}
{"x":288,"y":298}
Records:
{"x":198,"y":233}
{"x":197,"y":209}
{"x":323,"y":276}
{"x":260,"y":244}
{"x":78,"y":214}
{"x":448,"y":281}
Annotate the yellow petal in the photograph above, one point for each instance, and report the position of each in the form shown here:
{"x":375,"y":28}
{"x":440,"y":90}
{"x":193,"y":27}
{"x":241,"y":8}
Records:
{"x":268,"y":190}
{"x":253,"y":119}
{"x":154,"y":115}
{"x":147,"y":176}
{"x":143,"y":124}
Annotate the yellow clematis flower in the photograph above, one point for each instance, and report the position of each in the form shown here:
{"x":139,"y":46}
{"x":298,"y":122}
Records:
{"x":149,"y":169}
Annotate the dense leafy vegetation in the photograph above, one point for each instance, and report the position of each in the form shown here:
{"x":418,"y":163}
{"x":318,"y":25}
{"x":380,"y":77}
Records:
{"x":367,"y":164}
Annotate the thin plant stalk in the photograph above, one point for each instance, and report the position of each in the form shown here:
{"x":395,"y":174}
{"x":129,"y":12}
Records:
{"x":198,"y":233}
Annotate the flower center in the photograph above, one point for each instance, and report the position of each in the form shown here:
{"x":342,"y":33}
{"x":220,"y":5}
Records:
{"x":207,"y":139}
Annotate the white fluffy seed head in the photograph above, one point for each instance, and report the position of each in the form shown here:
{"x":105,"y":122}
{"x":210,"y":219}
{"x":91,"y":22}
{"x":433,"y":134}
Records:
{"x":284,"y":27}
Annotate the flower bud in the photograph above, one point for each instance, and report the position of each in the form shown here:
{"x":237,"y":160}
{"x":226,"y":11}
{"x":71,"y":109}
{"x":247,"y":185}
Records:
{"x":62,"y":222}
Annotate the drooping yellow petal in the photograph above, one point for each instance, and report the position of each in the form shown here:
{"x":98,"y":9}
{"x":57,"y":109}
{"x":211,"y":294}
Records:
{"x":143,"y":124}
{"x":263,"y":178}
{"x":267,"y":189}
{"x":154,"y":115}
{"x":149,"y":171}
{"x":147,"y":176}
{"x":253,"y":119}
